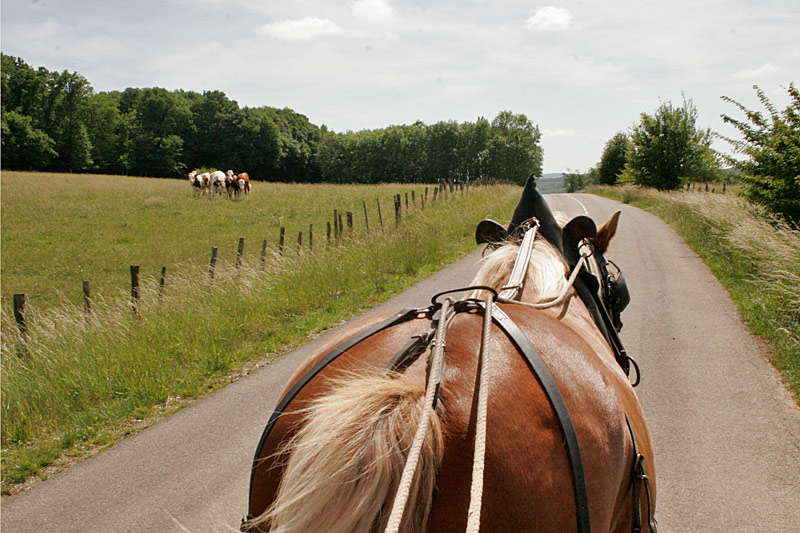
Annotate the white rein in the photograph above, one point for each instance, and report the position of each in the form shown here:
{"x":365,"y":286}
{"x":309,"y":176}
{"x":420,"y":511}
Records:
{"x":508,"y":295}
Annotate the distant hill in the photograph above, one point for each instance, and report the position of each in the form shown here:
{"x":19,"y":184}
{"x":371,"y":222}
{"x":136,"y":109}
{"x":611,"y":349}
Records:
{"x":550,"y":183}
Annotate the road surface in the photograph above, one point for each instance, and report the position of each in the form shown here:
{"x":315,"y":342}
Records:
{"x":727,"y":434}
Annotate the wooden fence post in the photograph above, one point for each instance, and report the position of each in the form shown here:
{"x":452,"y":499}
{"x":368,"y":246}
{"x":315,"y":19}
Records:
{"x":135,"y":289}
{"x":349,"y":223}
{"x":396,"y":210}
{"x":240,"y":252}
{"x":299,"y":240}
{"x":413,"y":199}
{"x":366,"y":217}
{"x":87,"y":296}
{"x":341,"y":226}
{"x":406,"y":202}
{"x":336,"y":223}
{"x":311,"y":236}
{"x":213,"y":264}
{"x":380,"y":216}
{"x":280,"y":244}
{"x":264,"y":252}
{"x":19,"y":313}
{"x":328,"y":234}
{"x":435,"y":194}
{"x":162,"y":282}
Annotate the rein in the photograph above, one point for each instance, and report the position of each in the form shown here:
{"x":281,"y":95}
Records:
{"x":441,"y":314}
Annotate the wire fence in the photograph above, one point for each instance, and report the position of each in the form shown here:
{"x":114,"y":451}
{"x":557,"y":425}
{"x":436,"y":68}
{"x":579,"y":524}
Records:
{"x":341,"y":226}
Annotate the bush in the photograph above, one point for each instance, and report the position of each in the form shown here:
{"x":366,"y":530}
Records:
{"x":666,"y":147}
{"x":771,"y":174}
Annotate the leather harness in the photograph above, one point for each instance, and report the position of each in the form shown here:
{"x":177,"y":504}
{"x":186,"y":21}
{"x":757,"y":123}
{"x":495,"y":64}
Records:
{"x":586,"y":286}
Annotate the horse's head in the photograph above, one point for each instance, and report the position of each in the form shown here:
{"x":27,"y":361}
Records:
{"x":564,"y":234}
{"x":566,"y":243}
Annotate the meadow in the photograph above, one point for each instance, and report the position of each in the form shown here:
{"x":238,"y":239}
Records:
{"x":755,"y":256}
{"x":81,"y":381}
{"x":61,"y":229}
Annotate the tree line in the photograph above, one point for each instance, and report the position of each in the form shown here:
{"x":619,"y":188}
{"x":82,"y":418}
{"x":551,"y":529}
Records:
{"x":666,"y":150}
{"x":55,"y":121}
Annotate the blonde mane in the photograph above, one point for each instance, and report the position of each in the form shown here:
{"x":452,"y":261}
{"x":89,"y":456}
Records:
{"x":546,"y":276}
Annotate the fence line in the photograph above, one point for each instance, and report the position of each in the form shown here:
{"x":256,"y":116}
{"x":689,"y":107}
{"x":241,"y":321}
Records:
{"x":21,"y":299}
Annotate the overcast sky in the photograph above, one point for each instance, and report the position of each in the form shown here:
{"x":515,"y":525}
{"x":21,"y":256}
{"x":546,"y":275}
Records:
{"x":580,"y":70}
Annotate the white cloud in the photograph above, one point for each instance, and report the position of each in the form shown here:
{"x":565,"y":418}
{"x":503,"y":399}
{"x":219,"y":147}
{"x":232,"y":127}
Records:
{"x":373,"y":9}
{"x":559,"y":132}
{"x":301,"y":29}
{"x":767,"y":69}
{"x":549,"y":18}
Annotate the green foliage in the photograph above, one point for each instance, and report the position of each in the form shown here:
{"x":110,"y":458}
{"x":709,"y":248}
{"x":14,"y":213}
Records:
{"x":667,"y":148}
{"x":612,"y":162}
{"x":506,"y":150}
{"x":514,"y":150}
{"x":575,"y":181}
{"x":155,"y":132}
{"x":25,"y":146}
{"x":771,"y":172}
{"x":148,"y":132}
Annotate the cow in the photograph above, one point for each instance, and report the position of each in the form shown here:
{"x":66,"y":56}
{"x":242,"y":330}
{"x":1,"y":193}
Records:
{"x":230,"y":183}
{"x":217,"y":182}
{"x":242,"y":181}
{"x":200,"y":182}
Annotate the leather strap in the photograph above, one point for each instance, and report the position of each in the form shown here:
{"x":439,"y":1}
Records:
{"x":559,"y":407}
{"x":402,"y":316}
{"x":639,"y":476}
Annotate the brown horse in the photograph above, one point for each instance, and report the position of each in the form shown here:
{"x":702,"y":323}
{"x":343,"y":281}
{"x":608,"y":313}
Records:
{"x":333,"y":460}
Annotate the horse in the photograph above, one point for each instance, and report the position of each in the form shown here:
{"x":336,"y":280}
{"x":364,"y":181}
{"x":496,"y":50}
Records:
{"x":549,"y":406}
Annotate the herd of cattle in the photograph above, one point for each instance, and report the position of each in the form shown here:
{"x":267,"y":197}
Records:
{"x":217,"y":182}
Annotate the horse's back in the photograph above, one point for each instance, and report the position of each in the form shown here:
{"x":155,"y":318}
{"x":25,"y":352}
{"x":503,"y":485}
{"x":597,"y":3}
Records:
{"x":527,"y":480}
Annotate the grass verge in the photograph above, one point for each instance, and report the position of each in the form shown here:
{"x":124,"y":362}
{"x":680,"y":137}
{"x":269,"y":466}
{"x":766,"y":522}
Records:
{"x":756,"y":258}
{"x":82,"y":382}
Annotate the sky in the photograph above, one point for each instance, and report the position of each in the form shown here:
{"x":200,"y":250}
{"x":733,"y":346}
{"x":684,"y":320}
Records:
{"x":579,"y":70}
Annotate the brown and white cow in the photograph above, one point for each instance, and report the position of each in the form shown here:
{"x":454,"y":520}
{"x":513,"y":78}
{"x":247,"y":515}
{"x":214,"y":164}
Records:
{"x":200,"y":182}
{"x":242,"y":181}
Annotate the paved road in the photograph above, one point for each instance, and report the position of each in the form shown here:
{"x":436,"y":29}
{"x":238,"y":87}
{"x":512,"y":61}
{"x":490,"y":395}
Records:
{"x":727,"y":434}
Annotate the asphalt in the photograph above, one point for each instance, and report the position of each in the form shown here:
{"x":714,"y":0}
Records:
{"x":726,"y":431}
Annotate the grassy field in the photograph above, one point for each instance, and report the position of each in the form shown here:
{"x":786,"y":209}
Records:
{"x":754,"y":256}
{"x":61,"y":229}
{"x":81,"y":382}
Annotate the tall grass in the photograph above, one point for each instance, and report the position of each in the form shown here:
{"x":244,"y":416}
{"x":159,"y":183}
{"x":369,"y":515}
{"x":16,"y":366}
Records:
{"x":84,"y":380}
{"x":755,"y":256}
{"x":61,"y":229}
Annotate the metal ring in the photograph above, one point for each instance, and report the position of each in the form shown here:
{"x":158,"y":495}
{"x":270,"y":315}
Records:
{"x":475,"y":287}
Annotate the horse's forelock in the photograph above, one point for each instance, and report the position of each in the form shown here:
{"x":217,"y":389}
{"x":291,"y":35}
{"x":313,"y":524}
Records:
{"x":546,"y":277}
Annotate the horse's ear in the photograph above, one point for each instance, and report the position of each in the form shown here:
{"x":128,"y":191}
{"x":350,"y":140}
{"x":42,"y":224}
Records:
{"x":489,"y":231}
{"x":606,"y":233}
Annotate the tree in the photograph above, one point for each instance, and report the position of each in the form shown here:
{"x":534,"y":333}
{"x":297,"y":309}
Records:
{"x":513,"y":153}
{"x":575,"y":181}
{"x":23,"y":145}
{"x":612,"y":162}
{"x":771,"y":172}
{"x":666,"y":147}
